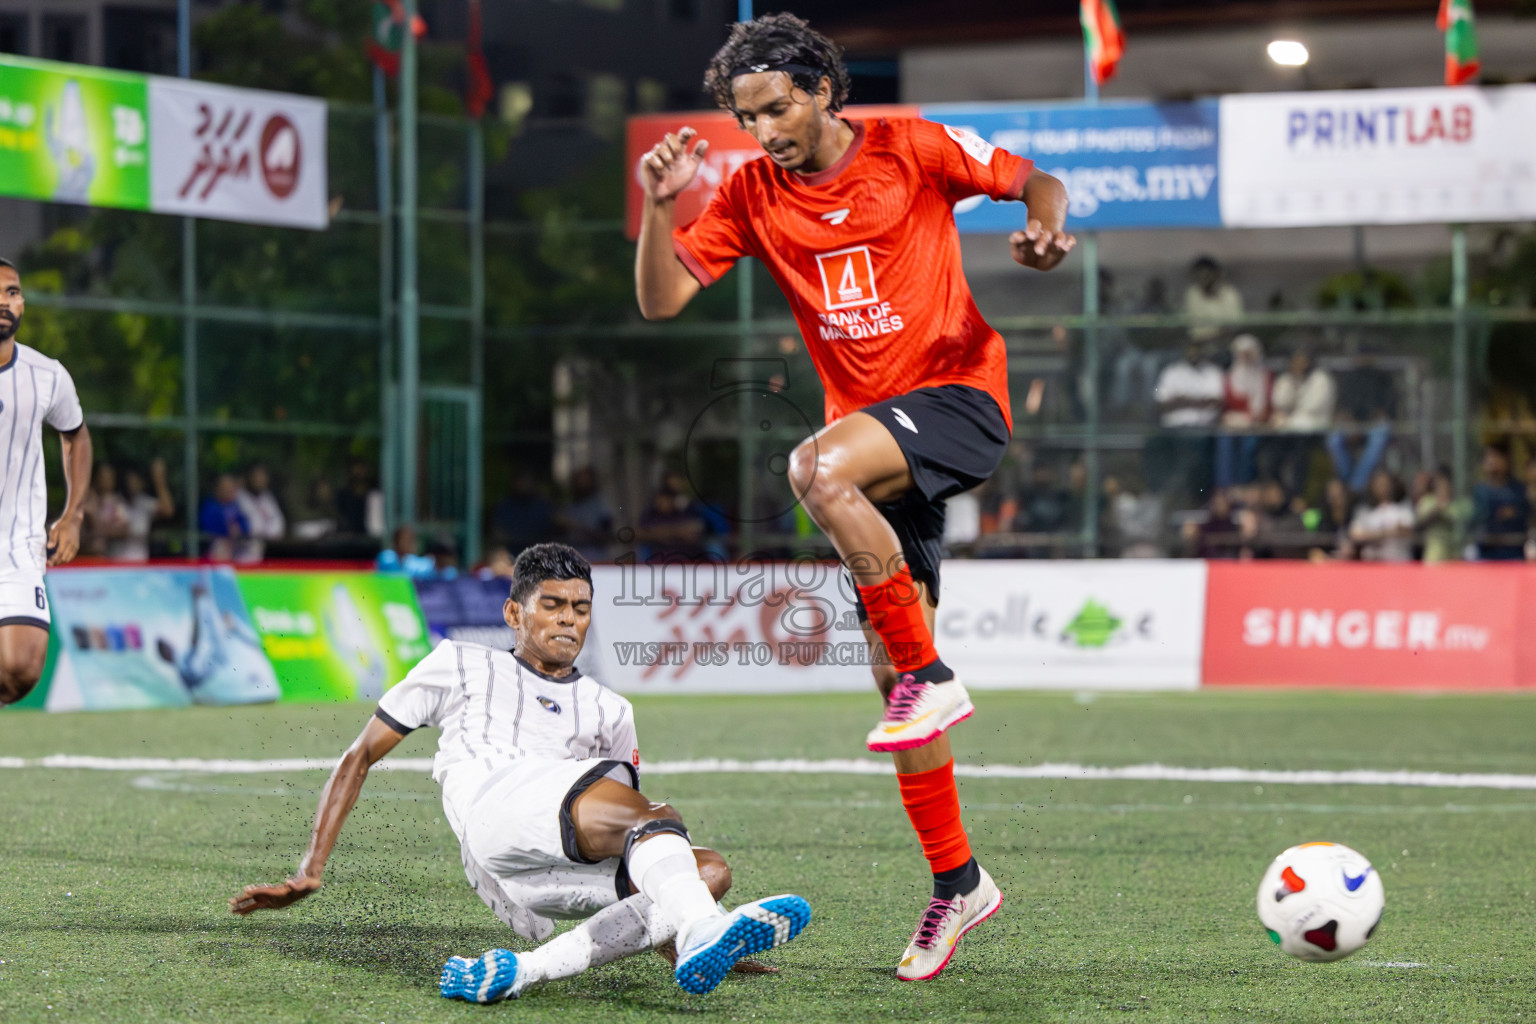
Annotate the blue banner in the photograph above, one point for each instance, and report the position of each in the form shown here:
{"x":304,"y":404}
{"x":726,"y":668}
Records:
{"x":1125,"y":165}
{"x":466,"y":608}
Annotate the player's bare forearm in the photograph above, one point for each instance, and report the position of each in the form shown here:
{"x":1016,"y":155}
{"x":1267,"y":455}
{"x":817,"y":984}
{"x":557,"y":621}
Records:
{"x":336,"y":803}
{"x":1044,"y":242}
{"x":64,"y":532}
{"x":662,"y":284}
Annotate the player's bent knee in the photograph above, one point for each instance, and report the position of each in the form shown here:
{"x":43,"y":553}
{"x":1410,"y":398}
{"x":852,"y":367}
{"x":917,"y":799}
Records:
{"x":15,"y":686}
{"x":715,"y":872}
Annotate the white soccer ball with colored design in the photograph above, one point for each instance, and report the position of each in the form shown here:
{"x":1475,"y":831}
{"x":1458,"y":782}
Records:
{"x":1320,"y":901}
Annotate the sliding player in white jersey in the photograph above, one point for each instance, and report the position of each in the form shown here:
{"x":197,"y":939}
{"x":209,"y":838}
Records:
{"x":539,"y":766}
{"x":34,"y":389}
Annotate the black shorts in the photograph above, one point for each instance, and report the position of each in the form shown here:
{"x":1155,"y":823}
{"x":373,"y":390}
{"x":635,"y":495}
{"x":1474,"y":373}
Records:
{"x":954,"y":437}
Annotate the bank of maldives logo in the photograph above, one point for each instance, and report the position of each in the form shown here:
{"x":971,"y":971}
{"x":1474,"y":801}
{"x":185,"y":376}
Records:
{"x":847,"y":278}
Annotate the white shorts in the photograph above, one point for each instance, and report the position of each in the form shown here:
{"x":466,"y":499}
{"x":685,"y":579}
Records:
{"x":519,"y":845}
{"x":23,"y":600}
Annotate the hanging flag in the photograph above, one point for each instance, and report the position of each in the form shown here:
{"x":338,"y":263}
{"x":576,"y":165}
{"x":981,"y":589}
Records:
{"x":1461,"y":63}
{"x":479,"y":89}
{"x":1102,"y":37}
{"x":388,"y":35}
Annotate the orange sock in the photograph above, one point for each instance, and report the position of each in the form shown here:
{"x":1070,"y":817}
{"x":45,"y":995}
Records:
{"x":895,"y":610}
{"x":933,"y":805}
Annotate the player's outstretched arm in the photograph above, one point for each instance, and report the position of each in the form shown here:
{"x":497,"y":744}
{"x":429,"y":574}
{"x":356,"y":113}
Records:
{"x":336,"y":802}
{"x":662,"y":284}
{"x":64,"y":532}
{"x":1044,"y":242}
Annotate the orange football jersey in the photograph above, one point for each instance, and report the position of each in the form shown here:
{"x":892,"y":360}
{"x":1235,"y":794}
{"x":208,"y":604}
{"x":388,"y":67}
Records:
{"x":869,"y":256}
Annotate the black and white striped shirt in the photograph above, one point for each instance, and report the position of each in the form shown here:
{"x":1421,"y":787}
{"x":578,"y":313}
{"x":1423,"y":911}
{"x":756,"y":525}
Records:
{"x":34,"y":389}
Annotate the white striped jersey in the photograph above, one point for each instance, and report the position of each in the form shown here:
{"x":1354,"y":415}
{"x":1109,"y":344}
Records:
{"x":494,"y":709}
{"x":34,"y":389}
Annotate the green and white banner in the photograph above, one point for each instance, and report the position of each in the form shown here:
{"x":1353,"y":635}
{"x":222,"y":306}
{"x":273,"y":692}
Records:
{"x":76,"y":134}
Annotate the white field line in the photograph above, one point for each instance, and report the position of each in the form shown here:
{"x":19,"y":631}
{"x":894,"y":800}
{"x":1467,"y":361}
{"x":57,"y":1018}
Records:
{"x":843,"y":766}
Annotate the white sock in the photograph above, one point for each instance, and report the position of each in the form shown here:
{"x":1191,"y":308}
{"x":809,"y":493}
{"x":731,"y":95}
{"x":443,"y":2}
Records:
{"x":630,"y":926}
{"x":663,"y":868}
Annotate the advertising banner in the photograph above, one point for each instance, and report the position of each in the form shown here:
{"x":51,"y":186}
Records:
{"x":76,"y":134}
{"x":337,"y":635}
{"x":1125,"y":165}
{"x":1296,"y":624}
{"x":1378,"y":156}
{"x":729,"y":148}
{"x":1036,"y":625}
{"x":237,"y":154}
{"x":466,"y":608}
{"x":73,"y":134}
{"x":151,"y":638}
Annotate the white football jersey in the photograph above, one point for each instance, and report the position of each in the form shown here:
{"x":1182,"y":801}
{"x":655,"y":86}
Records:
{"x":33,"y":389}
{"x":496,"y":710}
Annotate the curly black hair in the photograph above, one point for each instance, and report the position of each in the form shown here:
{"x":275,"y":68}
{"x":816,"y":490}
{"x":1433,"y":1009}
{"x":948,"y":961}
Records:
{"x":778,"y":39}
{"x":546,"y":562}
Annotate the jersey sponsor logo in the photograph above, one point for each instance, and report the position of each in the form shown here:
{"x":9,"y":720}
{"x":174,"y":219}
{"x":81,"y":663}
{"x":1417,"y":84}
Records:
{"x":836,"y":217}
{"x":847,"y":278}
{"x":976,"y":147}
{"x":549,"y":705}
{"x":901,"y":417}
{"x":634,"y":757}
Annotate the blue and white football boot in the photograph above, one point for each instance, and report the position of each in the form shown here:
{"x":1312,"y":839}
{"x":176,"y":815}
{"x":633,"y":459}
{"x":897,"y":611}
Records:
{"x":706,"y":954}
{"x":486,"y":980}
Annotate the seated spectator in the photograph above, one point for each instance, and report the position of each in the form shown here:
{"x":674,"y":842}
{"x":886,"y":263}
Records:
{"x":1219,"y":536}
{"x":220,"y":520}
{"x":1441,"y":517}
{"x":1245,"y":407}
{"x":524,"y":516}
{"x":1332,"y":523}
{"x":400,"y":556}
{"x":444,"y":554}
{"x":1136,"y":520}
{"x":1382,"y":528}
{"x":673,"y":527}
{"x":587,"y":521}
{"x":360,"y":504}
{"x":106,"y":513}
{"x":144,"y":511}
{"x":317,"y":517}
{"x":1209,"y":301}
{"x":1275,"y":527}
{"x":499,"y":564}
{"x":1189,"y":397}
{"x":1500,"y":511}
{"x":1301,"y":403}
{"x":260,"y":505}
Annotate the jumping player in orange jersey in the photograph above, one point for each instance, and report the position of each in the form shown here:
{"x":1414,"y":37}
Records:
{"x":855,"y":221}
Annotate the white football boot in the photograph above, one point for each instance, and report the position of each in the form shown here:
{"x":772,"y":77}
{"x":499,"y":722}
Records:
{"x":916,"y":713}
{"x":943,"y":923}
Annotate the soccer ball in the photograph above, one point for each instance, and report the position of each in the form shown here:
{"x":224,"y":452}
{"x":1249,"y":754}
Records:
{"x":1320,"y":901}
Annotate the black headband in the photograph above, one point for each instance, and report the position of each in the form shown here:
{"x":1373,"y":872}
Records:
{"x":789,"y":69}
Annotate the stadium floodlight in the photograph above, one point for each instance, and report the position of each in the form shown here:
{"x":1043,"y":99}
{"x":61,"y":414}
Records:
{"x":1288,"y":53}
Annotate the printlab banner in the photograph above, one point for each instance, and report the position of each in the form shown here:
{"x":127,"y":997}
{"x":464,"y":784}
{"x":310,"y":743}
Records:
{"x":76,"y":134}
{"x":336,"y":636}
{"x":1125,"y":165}
{"x":1135,"y":625}
{"x":152,"y":638}
{"x":1378,"y":156}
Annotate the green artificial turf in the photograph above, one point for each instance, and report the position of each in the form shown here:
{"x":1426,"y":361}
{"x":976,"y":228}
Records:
{"x":1123,"y":900}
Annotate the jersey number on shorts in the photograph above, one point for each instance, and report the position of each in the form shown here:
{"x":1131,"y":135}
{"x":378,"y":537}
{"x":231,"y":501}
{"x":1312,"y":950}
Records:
{"x":42,"y":599}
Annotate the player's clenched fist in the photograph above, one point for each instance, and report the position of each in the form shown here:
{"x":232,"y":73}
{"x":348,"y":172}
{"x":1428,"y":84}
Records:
{"x":1039,"y":247}
{"x":273,"y":897}
{"x":671,"y":166}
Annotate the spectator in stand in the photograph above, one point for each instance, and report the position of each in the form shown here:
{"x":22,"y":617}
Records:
{"x":1189,"y":397}
{"x":1135,"y":369}
{"x":1500,"y":510}
{"x":673,"y":528}
{"x":499,"y":564}
{"x":360,"y":504}
{"x":524,"y":516}
{"x":106,"y":514}
{"x":400,"y":556}
{"x":1441,"y":517}
{"x":587,"y":521}
{"x":317,"y":519}
{"x":1209,"y":301}
{"x":1275,"y":527}
{"x":1302,"y":404}
{"x":1244,"y":410}
{"x":1382,"y":528}
{"x":220,"y":520}
{"x":1333,"y":523}
{"x":144,"y":511}
{"x":1219,"y":536}
{"x":260,"y":505}
{"x":1136,"y":519}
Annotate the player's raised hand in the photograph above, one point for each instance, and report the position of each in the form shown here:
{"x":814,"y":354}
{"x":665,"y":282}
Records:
{"x":273,"y":897}
{"x":1039,"y":247}
{"x":63,"y":540}
{"x":671,"y":165}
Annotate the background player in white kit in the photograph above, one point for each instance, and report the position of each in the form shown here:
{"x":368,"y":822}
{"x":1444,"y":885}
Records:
{"x":33,"y":389}
{"x":539,"y":766}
